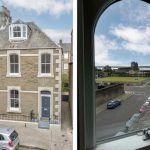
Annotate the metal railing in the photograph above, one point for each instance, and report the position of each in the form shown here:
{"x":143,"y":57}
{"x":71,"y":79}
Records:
{"x":19,"y":117}
{"x":15,"y":117}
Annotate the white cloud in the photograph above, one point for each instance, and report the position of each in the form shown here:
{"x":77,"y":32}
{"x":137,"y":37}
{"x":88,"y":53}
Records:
{"x":57,"y":34}
{"x":102,"y":48}
{"x":54,"y":7}
{"x":129,"y":33}
{"x":133,"y":39}
{"x":126,"y":38}
{"x":140,"y":13}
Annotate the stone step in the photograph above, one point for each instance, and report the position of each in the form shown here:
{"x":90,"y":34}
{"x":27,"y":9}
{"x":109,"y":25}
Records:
{"x":43,"y":123}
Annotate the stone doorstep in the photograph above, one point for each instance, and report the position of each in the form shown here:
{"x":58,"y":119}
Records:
{"x":121,"y":97}
{"x":31,"y":147}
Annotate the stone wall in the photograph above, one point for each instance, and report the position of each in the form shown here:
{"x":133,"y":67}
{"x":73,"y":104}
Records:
{"x":29,"y":82}
{"x":105,"y":94}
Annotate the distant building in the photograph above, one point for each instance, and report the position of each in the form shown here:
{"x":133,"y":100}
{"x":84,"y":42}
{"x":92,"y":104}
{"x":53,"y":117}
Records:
{"x":71,"y":76}
{"x":123,"y":70}
{"x":144,"y":71}
{"x":66,"y":56}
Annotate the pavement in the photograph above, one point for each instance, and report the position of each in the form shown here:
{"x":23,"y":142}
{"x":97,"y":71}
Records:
{"x":45,"y":139}
{"x":55,"y":138}
{"x":66,"y":124}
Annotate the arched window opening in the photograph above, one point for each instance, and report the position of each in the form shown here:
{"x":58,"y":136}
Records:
{"x":122,"y":68}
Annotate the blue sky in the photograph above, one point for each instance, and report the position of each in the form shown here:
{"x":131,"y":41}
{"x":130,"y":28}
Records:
{"x":54,"y":17}
{"x":122,"y":34}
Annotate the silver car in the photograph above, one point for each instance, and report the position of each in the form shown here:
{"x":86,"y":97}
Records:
{"x":9,"y":139}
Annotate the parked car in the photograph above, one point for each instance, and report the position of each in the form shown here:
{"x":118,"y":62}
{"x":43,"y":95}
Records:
{"x":113,"y":104}
{"x":148,"y":99}
{"x":132,"y":120}
{"x":9,"y":139}
{"x":144,"y":107}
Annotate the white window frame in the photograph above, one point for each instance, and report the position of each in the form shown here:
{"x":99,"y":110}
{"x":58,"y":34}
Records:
{"x":40,"y":74}
{"x":9,"y":74}
{"x":66,"y":55}
{"x":11,"y":35}
{"x":50,"y":89}
{"x":9,"y":108}
{"x":66,"y":66}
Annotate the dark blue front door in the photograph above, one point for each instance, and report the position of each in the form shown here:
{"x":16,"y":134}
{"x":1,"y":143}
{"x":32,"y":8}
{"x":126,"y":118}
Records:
{"x":45,"y":106}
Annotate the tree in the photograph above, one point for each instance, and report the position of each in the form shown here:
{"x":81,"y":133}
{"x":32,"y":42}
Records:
{"x":107,"y":69}
{"x":134,"y":66}
{"x":65,"y":83}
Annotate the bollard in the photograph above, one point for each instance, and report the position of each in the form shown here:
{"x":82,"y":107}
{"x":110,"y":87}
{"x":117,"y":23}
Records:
{"x":25,"y":124}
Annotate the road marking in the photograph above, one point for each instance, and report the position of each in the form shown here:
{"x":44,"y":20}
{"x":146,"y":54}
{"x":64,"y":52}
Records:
{"x":139,"y":93}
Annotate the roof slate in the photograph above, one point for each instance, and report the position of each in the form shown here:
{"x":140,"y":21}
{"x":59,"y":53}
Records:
{"x":36,"y":39}
{"x":66,"y":47}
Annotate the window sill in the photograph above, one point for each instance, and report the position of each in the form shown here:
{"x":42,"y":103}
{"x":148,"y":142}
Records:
{"x":13,"y":75}
{"x":45,"y":75}
{"x":132,"y":142}
{"x":17,"y":38}
{"x":14,"y":110}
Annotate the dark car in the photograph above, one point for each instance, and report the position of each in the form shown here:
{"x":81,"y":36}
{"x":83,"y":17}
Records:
{"x":113,"y":104}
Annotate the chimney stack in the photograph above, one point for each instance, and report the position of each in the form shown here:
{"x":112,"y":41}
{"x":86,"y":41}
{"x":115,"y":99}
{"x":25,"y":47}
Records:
{"x":60,"y":42}
{"x":5,"y":17}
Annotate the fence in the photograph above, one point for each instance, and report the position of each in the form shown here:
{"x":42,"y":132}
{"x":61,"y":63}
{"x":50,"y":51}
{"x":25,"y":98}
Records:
{"x":18,"y":117}
{"x":15,"y":117}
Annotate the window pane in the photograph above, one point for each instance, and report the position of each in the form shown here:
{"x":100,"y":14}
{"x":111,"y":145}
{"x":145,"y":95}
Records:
{"x":16,"y":58}
{"x":66,"y":56}
{"x":17,"y":34}
{"x":24,"y":34}
{"x":24,"y":28}
{"x":43,"y":68}
{"x":47,"y":68}
{"x":1,"y":137}
{"x":17,"y":31}
{"x":12,"y":102}
{"x":43,"y":58}
{"x":16,"y":68}
{"x":16,"y":28}
{"x":12,"y":95}
{"x":47,"y":58}
{"x":16,"y":104}
{"x":46,"y":92}
{"x":16,"y":93}
{"x":12,"y":68}
{"x":65,"y":66}
{"x":12,"y":58}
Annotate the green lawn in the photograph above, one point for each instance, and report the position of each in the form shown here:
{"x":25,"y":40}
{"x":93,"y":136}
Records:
{"x":122,"y":79}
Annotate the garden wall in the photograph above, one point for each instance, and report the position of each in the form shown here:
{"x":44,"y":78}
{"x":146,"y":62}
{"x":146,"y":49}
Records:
{"x":105,"y":94}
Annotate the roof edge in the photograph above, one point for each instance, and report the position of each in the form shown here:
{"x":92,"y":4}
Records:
{"x":33,"y":48}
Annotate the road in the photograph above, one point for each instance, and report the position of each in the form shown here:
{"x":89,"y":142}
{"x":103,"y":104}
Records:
{"x":23,"y":148}
{"x":109,"y":122}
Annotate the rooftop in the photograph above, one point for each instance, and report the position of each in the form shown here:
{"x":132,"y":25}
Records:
{"x":66,"y":46}
{"x":36,"y":39}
